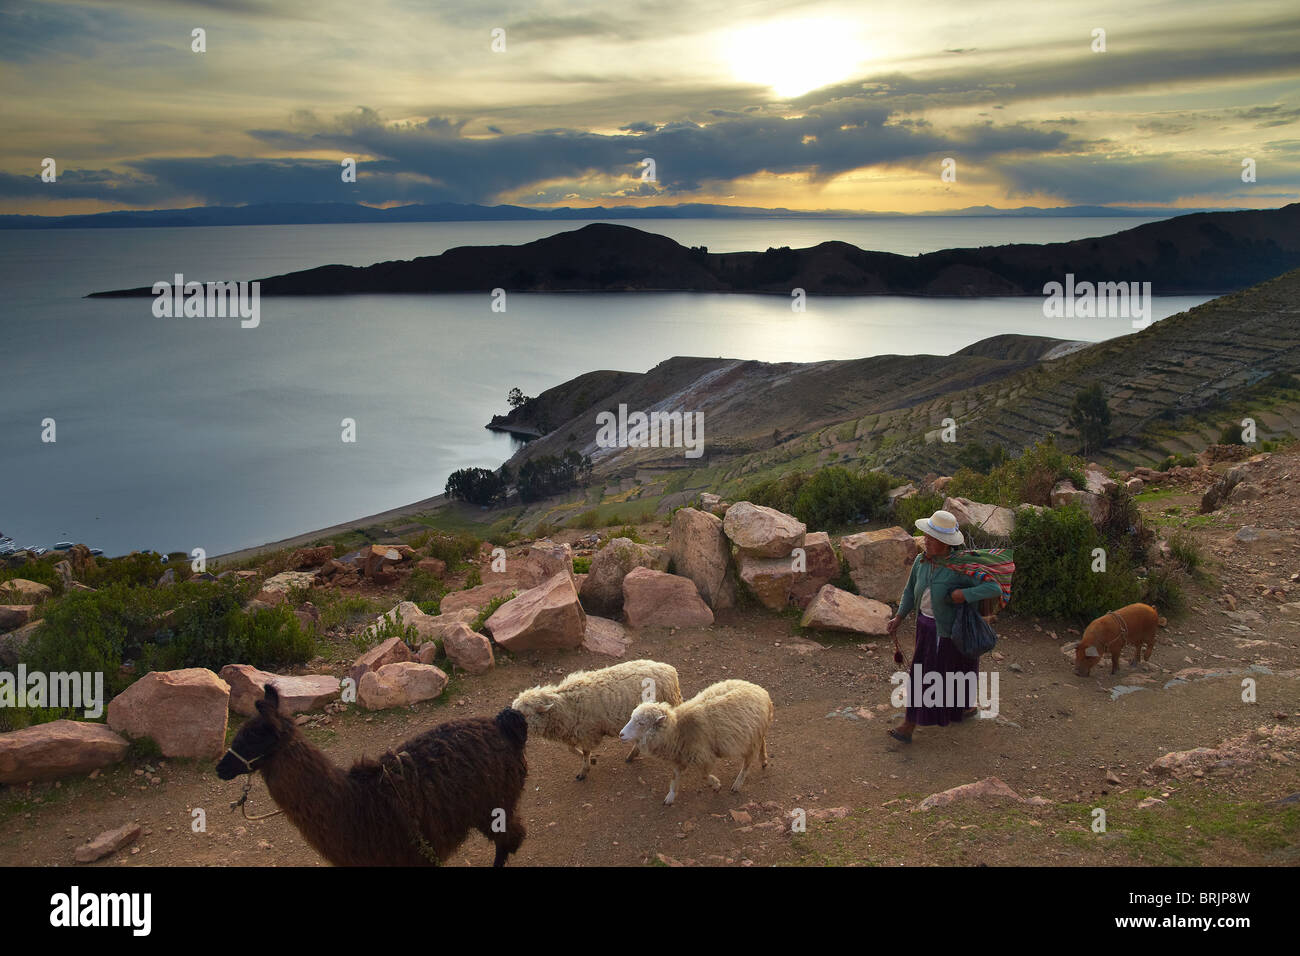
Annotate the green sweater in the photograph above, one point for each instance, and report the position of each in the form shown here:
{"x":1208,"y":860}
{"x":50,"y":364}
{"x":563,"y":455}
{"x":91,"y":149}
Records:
{"x":942,"y":581}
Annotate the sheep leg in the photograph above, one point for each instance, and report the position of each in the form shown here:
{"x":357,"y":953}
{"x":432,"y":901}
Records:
{"x":744,"y":768}
{"x":714,"y":782}
{"x":508,"y":842}
{"x":762,"y":743}
{"x":586,"y":761}
{"x":672,"y":788}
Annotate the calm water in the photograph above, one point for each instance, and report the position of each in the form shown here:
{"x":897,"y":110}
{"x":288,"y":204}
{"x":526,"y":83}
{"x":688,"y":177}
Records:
{"x":181,"y":433}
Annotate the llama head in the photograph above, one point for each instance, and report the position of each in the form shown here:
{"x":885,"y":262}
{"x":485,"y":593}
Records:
{"x":645,"y":718}
{"x":258,"y":738}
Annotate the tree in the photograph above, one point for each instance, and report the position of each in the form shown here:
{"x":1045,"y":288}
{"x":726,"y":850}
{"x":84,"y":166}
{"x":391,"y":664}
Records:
{"x":517,"y":397}
{"x":1090,"y":417}
{"x":478,"y":486}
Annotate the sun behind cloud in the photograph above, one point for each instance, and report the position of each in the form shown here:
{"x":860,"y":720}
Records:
{"x":793,"y":57}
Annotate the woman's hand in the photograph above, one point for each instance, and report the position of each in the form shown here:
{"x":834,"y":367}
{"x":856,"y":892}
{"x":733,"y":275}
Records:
{"x":891,"y":626}
{"x":957,"y":597}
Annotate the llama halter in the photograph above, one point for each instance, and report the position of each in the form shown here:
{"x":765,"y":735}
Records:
{"x":242,"y":803}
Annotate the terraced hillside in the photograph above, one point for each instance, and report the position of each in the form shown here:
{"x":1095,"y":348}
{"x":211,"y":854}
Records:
{"x":1171,"y":388}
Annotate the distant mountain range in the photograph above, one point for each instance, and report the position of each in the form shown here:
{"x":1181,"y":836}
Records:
{"x":1198,"y":254}
{"x":268,"y":214}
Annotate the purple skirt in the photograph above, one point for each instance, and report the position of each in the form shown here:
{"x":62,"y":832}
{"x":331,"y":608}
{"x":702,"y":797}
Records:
{"x":939,"y":656}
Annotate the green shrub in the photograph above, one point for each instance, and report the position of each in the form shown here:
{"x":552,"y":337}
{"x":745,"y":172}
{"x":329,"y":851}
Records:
{"x":1186,"y":461}
{"x":629,"y":532}
{"x":423,"y":586}
{"x":1027,"y":479}
{"x":135,"y":570}
{"x":587,"y":520}
{"x":187,"y":625}
{"x":1231,"y":434}
{"x":1185,"y":552}
{"x":40,"y":571}
{"x":1054,"y":560}
{"x":473,"y":579}
{"x":342,"y":610}
{"x":454,"y":549}
{"x":908,"y":510}
{"x":385,"y":629}
{"x":488,"y":611}
{"x":827,"y":499}
{"x":1163,"y":590}
{"x":581,"y":565}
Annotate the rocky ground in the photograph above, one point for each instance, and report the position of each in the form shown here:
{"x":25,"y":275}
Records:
{"x":1065,"y":746}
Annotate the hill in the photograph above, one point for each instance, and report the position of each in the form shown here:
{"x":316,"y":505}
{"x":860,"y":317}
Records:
{"x":1202,"y":253}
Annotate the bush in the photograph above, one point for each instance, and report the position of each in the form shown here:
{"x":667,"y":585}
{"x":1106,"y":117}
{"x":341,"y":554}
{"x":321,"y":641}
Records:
{"x":1054,"y":560}
{"x":629,"y":532}
{"x":1231,"y":434}
{"x":982,"y":458}
{"x":40,"y":571}
{"x":187,"y":625}
{"x":581,"y":565}
{"x":1186,"y":461}
{"x":908,"y":510}
{"x":1185,"y":552}
{"x":1028,"y":479}
{"x":423,"y":587}
{"x":454,"y":549}
{"x":830,"y":498}
{"x":1163,"y":590}
{"x":135,"y":570}
{"x":551,"y":474}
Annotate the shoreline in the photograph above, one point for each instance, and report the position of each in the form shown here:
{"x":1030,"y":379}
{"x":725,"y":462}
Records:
{"x":302,"y":540}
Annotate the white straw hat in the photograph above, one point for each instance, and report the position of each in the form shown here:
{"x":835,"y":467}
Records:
{"x":942,"y":526}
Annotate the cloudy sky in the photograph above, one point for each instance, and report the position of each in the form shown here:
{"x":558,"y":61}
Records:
{"x":816,"y":105}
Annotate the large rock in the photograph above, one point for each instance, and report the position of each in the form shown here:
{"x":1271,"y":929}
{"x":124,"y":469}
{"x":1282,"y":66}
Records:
{"x":604,"y":636}
{"x":836,"y":610}
{"x":399,"y":685}
{"x":286,"y":581}
{"x":542,"y":561}
{"x":762,"y":532}
{"x":479,"y":597}
{"x":1096,"y":507}
{"x":297,"y":694}
{"x":468,"y":650}
{"x":793,"y":579}
{"x":991,"y":519}
{"x":110,"y":841}
{"x":1098,"y":482}
{"x":64,"y":571}
{"x":879,"y":561}
{"x":13,"y":643}
{"x":184,"y":712}
{"x":990,"y":790}
{"x":656,"y":599}
{"x":547,"y":616}
{"x":434,"y":627}
{"x":391,"y":651}
{"x":379,"y":559}
{"x":16,"y":615}
{"x":700,"y":550}
{"x":602,"y":589}
{"x":22,"y":591}
{"x":58,"y":749}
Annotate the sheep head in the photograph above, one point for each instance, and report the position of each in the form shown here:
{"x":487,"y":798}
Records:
{"x":258,"y":739}
{"x":645,"y":719}
{"x":535,"y":704}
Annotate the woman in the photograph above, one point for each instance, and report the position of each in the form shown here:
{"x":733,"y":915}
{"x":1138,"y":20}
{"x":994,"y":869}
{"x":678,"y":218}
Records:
{"x":935,"y":589}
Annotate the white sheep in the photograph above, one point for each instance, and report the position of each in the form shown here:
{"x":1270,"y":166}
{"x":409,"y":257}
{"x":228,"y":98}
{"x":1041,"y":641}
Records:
{"x":589,"y":705}
{"x":728,"y":719}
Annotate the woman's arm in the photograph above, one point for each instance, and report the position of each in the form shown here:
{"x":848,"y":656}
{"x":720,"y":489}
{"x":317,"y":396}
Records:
{"x":973,"y":591}
{"x":906,"y":601}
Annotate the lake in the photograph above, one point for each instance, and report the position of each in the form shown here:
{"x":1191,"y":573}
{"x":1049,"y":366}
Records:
{"x":173,"y":434}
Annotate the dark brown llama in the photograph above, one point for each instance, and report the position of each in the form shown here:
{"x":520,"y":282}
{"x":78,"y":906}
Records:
{"x":413,"y":807}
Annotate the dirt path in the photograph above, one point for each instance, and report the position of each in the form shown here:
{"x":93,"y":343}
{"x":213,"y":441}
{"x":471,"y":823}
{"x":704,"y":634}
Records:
{"x":1057,"y":736}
